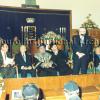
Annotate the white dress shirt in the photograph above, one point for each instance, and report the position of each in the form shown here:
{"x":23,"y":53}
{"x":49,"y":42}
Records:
{"x":24,"y":56}
{"x":6,"y":60}
{"x":81,"y":40}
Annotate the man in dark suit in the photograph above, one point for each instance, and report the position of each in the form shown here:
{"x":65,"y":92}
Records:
{"x":82,"y":49}
{"x":7,"y":69}
{"x":24,"y":62}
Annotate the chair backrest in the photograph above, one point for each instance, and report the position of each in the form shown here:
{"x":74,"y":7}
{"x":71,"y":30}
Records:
{"x":97,"y":50}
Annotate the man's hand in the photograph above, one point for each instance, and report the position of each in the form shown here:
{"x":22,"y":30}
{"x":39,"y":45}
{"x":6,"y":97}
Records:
{"x":13,"y":63}
{"x":29,"y":68}
{"x":4,"y":65}
{"x":80,"y":55}
{"x":26,"y":68}
{"x":22,"y":67}
{"x":77,"y":53}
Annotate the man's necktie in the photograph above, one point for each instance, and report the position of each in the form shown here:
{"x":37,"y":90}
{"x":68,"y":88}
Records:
{"x":24,"y":57}
{"x":82,"y":41}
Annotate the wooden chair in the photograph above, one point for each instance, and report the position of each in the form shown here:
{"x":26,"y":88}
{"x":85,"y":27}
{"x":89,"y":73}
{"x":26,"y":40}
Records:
{"x":16,"y":68}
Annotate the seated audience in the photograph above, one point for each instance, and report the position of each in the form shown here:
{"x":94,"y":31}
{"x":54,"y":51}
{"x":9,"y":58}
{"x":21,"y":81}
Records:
{"x":71,"y":91}
{"x":97,"y":58}
{"x":24,"y":62}
{"x":15,"y":46}
{"x":30,"y":92}
{"x":59,"y":59}
{"x":43,"y":62}
{"x":6,"y":63}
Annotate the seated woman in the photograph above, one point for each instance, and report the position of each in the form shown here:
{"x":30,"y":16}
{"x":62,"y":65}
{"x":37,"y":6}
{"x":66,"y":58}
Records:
{"x":24,"y":62}
{"x":97,"y":58}
{"x":60,"y":60}
{"x":7,"y":63}
{"x":43,"y":62}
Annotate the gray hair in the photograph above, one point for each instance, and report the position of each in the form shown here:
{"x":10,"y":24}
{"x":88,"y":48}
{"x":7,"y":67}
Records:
{"x":30,"y":92}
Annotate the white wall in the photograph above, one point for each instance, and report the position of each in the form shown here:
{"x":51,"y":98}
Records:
{"x":80,"y":8}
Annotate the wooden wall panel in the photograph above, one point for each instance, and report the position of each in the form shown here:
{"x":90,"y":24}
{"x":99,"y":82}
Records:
{"x":94,"y":33}
{"x":48,"y":84}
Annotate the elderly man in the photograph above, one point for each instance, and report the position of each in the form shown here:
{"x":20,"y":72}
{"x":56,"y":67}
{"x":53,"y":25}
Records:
{"x":44,"y":63}
{"x":6,"y":63}
{"x":82,"y":49}
{"x":24,"y":62}
{"x":30,"y":92}
{"x":71,"y":91}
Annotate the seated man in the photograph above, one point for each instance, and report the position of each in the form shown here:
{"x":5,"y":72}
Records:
{"x":43,"y":62}
{"x":60,"y":60}
{"x":7,"y":69}
{"x":30,"y":92}
{"x":71,"y":91}
{"x":82,"y":49}
{"x":24,"y":62}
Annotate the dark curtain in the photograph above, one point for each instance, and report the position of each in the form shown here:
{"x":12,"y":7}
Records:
{"x":11,"y":22}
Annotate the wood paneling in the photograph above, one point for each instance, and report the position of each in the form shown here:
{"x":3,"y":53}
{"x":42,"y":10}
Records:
{"x":53,"y":86}
{"x":90,"y":93}
{"x":94,"y":33}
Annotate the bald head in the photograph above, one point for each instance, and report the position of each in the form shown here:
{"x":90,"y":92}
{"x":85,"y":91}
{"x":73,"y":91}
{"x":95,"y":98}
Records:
{"x":22,"y":49}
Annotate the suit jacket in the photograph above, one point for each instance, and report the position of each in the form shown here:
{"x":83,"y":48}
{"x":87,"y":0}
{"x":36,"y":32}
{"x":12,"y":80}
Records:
{"x":20,"y":61}
{"x":86,"y":48}
{"x":1,"y":58}
{"x":60,"y":59}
